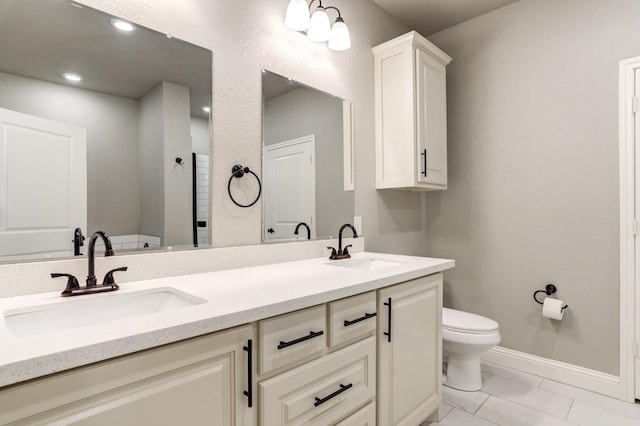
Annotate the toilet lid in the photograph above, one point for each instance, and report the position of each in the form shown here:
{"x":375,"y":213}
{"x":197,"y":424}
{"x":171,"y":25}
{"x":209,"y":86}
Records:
{"x":466,"y":322}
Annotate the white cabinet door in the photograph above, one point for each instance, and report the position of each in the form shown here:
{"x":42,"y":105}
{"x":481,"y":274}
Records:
{"x":431,"y":125}
{"x":409,"y":351}
{"x":197,"y":382}
{"x":43,"y":185}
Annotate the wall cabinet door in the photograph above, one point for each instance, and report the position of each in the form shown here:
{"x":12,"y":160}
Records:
{"x":409,"y":351}
{"x":410,"y":120}
{"x":197,"y":382}
{"x":431,"y":120}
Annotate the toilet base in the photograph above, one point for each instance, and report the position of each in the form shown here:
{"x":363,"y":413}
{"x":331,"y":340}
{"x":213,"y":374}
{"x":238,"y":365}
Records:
{"x":463,"y":372}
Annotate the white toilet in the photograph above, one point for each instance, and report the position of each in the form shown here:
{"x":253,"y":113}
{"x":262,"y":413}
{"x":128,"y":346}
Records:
{"x":464,"y":337}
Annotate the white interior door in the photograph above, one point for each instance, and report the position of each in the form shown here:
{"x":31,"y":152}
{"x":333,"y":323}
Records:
{"x":43,"y":185}
{"x":289,"y":188}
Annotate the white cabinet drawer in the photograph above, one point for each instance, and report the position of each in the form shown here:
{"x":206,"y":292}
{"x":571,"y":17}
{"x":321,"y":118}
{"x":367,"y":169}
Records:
{"x":322,"y":391}
{"x":366,"y":416}
{"x":287,"y":339}
{"x":352,"y":318}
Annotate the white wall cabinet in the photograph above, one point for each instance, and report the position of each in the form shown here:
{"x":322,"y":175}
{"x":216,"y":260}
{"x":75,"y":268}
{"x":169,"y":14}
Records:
{"x":200,"y":381}
{"x":410,"y":114}
{"x":409,"y":351}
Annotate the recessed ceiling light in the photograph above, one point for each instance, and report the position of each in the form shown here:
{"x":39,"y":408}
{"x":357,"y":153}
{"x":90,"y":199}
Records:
{"x":122,"y":25}
{"x":206,"y":109}
{"x":72,"y":77}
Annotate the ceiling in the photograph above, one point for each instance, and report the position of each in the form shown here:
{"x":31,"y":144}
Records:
{"x":42,"y":39}
{"x":430,"y":16}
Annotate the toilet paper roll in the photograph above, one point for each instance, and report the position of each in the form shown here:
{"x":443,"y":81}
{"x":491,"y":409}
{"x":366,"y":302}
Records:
{"x":552,"y":308}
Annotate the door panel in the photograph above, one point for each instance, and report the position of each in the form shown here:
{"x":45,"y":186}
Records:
{"x":289,"y":187}
{"x":43,"y":185}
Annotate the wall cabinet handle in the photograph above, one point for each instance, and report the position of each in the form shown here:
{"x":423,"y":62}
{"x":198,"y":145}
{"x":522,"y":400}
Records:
{"x":388,"y":332}
{"x":249,"y":392}
{"x":424,"y":162}
{"x":333,"y":395}
{"x":311,"y":335}
{"x":365,"y":317}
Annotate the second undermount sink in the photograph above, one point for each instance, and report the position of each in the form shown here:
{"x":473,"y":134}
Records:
{"x":367,"y":263}
{"x":43,"y":319}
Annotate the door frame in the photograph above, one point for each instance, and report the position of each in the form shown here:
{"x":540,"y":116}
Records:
{"x":628,"y":306}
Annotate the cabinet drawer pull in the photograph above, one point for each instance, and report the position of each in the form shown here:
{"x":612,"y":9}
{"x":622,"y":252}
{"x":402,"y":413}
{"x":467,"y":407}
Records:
{"x":365,"y":317}
{"x":388,"y":332}
{"x":333,"y":395}
{"x":311,"y":335}
{"x":424,"y":155}
{"x":249,"y":392}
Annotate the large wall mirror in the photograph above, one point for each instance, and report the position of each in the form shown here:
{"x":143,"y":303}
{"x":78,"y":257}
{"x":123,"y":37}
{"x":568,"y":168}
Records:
{"x":124,"y":150}
{"x":307,"y":161}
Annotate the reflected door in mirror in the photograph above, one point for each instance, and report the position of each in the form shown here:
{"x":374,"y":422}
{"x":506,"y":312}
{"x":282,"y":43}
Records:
{"x":43,"y":196}
{"x":289,"y":187}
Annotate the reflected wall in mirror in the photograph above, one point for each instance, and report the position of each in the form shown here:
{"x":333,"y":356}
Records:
{"x":124,"y":150}
{"x":307,"y":160}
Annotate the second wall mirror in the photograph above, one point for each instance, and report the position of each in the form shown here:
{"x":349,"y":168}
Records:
{"x":307,"y":162}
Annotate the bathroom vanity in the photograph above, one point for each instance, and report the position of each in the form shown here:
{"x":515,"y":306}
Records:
{"x":306,"y":342}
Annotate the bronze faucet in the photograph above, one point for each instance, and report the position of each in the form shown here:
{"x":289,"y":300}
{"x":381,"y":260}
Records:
{"x":342,"y":253}
{"x":109,"y":283}
{"x":306,"y":226}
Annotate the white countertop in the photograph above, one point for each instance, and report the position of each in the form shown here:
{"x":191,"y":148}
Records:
{"x":232,"y":297}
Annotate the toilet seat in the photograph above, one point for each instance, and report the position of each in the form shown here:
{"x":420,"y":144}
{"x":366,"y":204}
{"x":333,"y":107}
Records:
{"x":466,"y":322}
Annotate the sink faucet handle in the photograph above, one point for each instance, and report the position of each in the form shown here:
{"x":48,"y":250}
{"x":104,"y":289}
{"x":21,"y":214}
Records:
{"x":109,"y":279}
{"x":345,"y":251}
{"x":333,"y":253}
{"x":72,"y":283}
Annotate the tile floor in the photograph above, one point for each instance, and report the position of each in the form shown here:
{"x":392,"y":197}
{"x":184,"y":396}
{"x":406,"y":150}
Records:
{"x":514,"y":398}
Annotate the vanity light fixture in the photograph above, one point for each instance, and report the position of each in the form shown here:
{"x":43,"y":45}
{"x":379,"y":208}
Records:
{"x":72,"y":77}
{"x":206,"y":109}
{"x":317,"y":25}
{"x":122,"y":25}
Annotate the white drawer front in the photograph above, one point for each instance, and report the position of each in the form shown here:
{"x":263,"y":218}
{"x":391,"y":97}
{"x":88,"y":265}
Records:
{"x":322,"y":391}
{"x":352,"y":318}
{"x":279,"y":334}
{"x":366,"y":416}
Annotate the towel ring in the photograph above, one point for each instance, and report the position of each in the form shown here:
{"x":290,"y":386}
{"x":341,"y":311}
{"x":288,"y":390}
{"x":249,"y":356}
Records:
{"x":238,"y":171}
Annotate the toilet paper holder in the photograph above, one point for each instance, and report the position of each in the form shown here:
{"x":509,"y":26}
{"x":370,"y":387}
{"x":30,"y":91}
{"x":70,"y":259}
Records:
{"x":548,"y":290}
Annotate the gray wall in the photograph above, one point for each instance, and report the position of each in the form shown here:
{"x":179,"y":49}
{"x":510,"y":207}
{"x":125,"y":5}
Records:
{"x":177,"y":178}
{"x":200,"y":139}
{"x":533,"y":162}
{"x":151,"y":147}
{"x":303,"y":112}
{"x":112,"y":155}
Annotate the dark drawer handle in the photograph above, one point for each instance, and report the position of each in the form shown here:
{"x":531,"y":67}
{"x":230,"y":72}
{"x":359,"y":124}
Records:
{"x":365,"y":317}
{"x":388,"y":333}
{"x":424,"y":155}
{"x":249,"y":392}
{"x":311,"y":335}
{"x":333,"y":395}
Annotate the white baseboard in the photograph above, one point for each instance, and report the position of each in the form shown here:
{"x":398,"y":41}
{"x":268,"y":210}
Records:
{"x":569,"y":374}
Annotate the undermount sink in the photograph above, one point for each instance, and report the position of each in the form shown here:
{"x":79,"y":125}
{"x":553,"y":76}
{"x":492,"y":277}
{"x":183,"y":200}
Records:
{"x":43,"y":319}
{"x":367,"y":263}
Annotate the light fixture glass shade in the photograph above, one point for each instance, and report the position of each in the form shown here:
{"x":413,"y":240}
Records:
{"x":319,"y":26}
{"x":297,"y":16}
{"x":339,"y":39}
